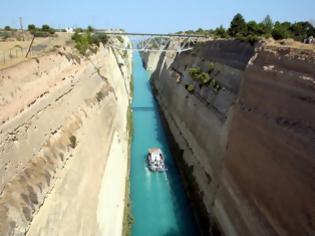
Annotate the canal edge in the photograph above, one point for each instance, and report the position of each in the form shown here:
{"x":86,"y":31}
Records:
{"x":128,"y":219}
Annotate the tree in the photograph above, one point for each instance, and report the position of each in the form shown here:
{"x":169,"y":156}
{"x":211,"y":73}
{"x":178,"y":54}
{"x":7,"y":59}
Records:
{"x":267,"y":22}
{"x":301,"y":30}
{"x":280,"y":31}
{"x":31,"y":27}
{"x":45,"y":28}
{"x":90,"y":29}
{"x":220,"y":32}
{"x":238,"y":26}
{"x":252,"y":28}
{"x":7,"y":28}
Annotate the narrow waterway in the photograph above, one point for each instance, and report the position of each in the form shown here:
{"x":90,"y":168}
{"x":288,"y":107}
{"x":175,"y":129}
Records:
{"x":159,"y":203}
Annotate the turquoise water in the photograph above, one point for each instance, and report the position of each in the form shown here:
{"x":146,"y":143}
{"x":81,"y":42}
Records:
{"x":159,"y":204}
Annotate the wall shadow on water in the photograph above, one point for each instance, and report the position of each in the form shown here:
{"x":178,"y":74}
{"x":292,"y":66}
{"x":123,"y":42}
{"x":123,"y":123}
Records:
{"x":172,"y":232}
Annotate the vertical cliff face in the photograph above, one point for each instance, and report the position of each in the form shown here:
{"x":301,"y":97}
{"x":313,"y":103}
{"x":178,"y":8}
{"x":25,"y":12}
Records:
{"x":150,"y":60}
{"x":270,"y":151}
{"x":245,"y":146}
{"x":65,"y":119}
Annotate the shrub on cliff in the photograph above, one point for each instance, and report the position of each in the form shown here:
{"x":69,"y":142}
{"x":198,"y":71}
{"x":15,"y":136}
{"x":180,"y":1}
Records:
{"x":84,"y":41}
{"x":204,"y":78}
{"x":194,"y":72}
{"x":73,"y":141}
{"x":210,"y":67}
{"x":98,"y":38}
{"x":190,"y":88}
{"x":215,"y":85}
{"x":251,"y":39}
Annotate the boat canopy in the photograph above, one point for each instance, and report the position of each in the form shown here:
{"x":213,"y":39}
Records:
{"x":155,"y":154}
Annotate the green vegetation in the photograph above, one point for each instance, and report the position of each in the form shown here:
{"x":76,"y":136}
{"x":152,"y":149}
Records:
{"x":190,"y":88}
{"x":196,"y":32}
{"x":90,"y":29}
{"x":99,"y":96}
{"x":252,"y":31}
{"x":78,"y":30}
{"x":220,"y":32}
{"x":238,"y":26}
{"x":197,"y":75}
{"x":44,"y":31}
{"x":210,"y":67}
{"x":31,"y":27}
{"x":85,"y":41}
{"x":73,"y":141}
{"x":194,"y":73}
{"x":203,"y":78}
{"x":7,"y":28}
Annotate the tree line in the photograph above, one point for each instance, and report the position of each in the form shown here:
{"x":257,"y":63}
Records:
{"x":252,"y":31}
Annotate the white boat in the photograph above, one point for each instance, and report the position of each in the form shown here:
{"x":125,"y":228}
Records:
{"x":155,"y":160}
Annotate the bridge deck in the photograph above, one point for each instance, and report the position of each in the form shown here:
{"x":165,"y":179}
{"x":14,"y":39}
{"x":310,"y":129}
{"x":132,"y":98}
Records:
{"x":152,"y":34}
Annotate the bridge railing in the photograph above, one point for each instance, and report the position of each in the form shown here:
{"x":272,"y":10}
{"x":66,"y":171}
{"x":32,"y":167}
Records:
{"x":157,"y":42}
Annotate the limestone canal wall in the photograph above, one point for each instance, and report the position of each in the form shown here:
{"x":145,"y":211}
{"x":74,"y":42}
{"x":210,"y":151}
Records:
{"x":245,"y":140}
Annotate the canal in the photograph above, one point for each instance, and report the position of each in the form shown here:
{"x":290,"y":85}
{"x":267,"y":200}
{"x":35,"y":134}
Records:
{"x":159,"y":204}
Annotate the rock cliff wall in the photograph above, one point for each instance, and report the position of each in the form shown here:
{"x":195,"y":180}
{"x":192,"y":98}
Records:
{"x":245,"y":147}
{"x":62,"y":116}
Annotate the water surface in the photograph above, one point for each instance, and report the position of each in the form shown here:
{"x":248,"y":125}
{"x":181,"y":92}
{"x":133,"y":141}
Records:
{"x":159,"y":203}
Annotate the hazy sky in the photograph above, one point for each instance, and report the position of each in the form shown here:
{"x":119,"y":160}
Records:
{"x":150,"y":16}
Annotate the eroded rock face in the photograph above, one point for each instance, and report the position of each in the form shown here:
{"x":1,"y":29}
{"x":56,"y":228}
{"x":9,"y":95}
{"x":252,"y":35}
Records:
{"x":60,"y":116}
{"x":246,"y":150}
{"x":270,"y":153}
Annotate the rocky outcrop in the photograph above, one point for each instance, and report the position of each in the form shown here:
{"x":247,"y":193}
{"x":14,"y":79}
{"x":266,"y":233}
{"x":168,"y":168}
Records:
{"x":61,"y":116}
{"x":245,"y":146}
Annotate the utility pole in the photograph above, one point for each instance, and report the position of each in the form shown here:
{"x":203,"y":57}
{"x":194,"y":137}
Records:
{"x":21,"y":23}
{"x":21,"y":26}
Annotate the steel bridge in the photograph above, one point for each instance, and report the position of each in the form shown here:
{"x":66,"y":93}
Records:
{"x":154,"y":42}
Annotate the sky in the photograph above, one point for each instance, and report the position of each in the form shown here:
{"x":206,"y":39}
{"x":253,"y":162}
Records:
{"x":162,"y":16}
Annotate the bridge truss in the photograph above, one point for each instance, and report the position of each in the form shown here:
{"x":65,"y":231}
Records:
{"x":154,"y":42}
